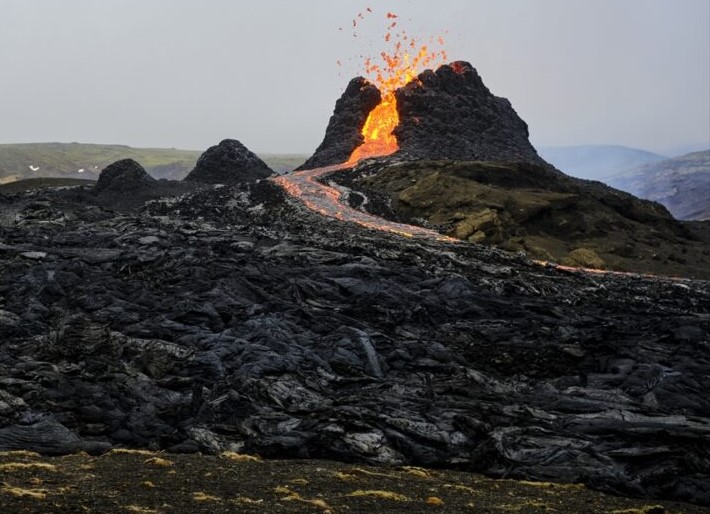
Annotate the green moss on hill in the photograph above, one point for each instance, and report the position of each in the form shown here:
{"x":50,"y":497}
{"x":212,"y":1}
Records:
{"x":539,"y":210}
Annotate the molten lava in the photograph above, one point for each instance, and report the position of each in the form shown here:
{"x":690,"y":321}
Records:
{"x":327,"y":200}
{"x":401,"y":64}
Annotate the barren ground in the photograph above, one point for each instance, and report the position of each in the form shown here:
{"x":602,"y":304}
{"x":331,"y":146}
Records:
{"x":145,"y":482}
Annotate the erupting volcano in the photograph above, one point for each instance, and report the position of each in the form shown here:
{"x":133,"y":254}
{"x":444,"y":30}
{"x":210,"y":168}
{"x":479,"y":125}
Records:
{"x":370,"y":108}
{"x":367,"y":115}
{"x":414,"y":105}
{"x":406,"y":109}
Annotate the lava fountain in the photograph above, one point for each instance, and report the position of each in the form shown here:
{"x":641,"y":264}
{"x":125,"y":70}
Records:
{"x":395,"y":68}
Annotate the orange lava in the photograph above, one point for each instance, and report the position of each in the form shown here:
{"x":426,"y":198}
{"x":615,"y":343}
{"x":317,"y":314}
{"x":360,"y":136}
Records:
{"x":326,"y":200}
{"x":396,"y":67}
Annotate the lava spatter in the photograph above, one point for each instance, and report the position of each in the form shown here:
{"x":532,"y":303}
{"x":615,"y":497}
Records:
{"x":395,"y":67}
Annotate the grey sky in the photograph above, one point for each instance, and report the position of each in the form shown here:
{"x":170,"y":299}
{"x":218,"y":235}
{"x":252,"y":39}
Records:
{"x":186,"y":74}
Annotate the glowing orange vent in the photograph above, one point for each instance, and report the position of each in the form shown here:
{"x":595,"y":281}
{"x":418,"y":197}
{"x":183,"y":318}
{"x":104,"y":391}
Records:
{"x":400,"y":65}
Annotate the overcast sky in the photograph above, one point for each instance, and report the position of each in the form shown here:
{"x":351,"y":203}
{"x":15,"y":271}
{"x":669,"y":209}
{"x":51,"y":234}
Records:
{"x":186,"y":74}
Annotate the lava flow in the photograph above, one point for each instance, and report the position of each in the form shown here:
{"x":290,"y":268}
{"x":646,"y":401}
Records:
{"x":400,"y":65}
{"x":326,"y":200}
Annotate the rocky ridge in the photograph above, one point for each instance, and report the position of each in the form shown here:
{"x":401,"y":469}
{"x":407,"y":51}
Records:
{"x":526,"y":207}
{"x":681,"y":184}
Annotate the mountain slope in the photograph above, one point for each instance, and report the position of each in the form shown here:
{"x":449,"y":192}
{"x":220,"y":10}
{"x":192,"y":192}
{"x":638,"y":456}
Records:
{"x":535,"y":209}
{"x":681,"y":184}
{"x":596,"y":162}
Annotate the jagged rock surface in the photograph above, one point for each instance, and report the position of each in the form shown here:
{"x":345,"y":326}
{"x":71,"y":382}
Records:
{"x":229,"y":162}
{"x":450,"y":114}
{"x":229,"y":319}
{"x":123,"y":177}
{"x":344,"y":131}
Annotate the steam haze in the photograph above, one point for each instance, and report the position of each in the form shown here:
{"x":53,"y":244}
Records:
{"x":188,"y":74}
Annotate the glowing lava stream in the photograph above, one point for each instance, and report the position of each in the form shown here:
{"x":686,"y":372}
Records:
{"x":323,"y":199}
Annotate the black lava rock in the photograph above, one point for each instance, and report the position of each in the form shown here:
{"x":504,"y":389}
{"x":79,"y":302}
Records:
{"x":229,"y":162}
{"x":344,"y":132}
{"x":202,"y":323}
{"x":124,"y":176}
{"x":450,"y":114}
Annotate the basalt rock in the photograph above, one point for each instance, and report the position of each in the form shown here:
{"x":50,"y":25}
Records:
{"x":231,"y":319}
{"x":123,"y":177}
{"x":344,"y":132}
{"x":229,"y":162}
{"x":450,"y":114}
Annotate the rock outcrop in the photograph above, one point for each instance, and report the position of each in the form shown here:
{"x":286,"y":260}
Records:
{"x":229,"y":162}
{"x":123,"y":177}
{"x":450,"y":114}
{"x":344,"y":132}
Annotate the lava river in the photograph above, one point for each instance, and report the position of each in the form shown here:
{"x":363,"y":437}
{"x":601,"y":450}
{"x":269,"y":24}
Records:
{"x":327,"y":200}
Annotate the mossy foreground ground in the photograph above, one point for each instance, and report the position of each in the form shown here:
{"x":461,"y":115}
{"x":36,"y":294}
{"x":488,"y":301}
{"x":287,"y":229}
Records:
{"x":146,"y":482}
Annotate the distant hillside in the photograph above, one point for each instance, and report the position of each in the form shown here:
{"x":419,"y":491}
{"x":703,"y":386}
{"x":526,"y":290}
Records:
{"x":681,"y":184}
{"x":282,"y":162}
{"x":596,"y":162}
{"x":78,"y":160}
{"x":85,"y":161}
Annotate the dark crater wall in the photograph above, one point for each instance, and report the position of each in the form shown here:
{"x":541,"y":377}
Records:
{"x":450,"y":114}
{"x":343,"y":134}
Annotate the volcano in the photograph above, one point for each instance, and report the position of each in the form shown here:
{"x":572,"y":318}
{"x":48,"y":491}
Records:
{"x":444,"y":114}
